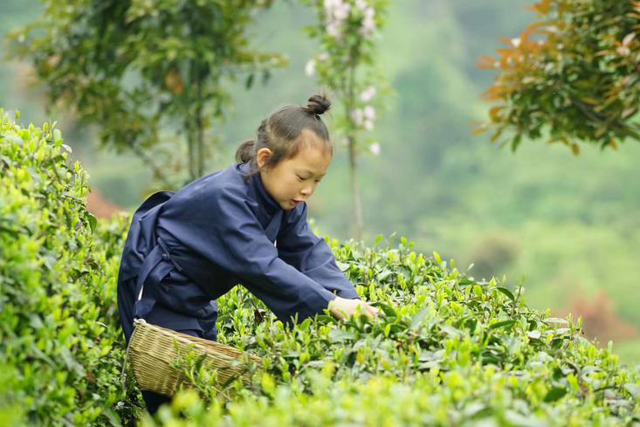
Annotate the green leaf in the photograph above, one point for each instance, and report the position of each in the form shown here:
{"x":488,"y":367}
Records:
{"x":417,"y":320}
{"x":93,"y":222}
{"x":504,"y":324}
{"x":633,"y":389}
{"x":436,"y":256}
{"x":386,"y":309}
{"x":343,"y":266}
{"x":555,"y":394}
{"x":507,"y":292}
{"x":536,"y":334}
{"x":466,"y":282}
{"x":451,"y":331}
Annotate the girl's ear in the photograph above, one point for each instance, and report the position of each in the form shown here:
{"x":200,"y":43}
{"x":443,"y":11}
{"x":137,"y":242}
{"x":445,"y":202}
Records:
{"x":262,"y":156}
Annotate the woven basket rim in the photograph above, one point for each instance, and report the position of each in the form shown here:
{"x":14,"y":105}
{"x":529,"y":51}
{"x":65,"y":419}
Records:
{"x":203,"y":344}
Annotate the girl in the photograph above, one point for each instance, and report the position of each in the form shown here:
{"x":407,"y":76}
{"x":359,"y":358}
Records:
{"x":245,"y":224}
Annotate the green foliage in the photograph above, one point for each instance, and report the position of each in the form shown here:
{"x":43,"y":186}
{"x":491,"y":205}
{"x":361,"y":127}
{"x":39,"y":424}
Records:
{"x":448,"y":351}
{"x":59,"y":343}
{"x":573,"y":73}
{"x":138,"y":68}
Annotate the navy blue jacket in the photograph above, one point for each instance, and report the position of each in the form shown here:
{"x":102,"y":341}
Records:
{"x":185,"y":250}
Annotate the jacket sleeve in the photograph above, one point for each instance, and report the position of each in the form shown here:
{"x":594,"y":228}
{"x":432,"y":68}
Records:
{"x":299,"y":247}
{"x":227,"y":233}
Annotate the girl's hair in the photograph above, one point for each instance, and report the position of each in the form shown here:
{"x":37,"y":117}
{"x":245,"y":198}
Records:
{"x":280,"y":133}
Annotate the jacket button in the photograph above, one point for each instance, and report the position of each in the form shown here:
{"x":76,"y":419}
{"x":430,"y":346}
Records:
{"x":165,"y":257}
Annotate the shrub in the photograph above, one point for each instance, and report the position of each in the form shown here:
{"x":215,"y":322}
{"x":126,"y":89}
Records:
{"x":448,"y":351}
{"x":58,"y":336}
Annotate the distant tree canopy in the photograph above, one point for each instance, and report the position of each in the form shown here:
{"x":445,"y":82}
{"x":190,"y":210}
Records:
{"x":137,"y":69}
{"x":572,"y":76}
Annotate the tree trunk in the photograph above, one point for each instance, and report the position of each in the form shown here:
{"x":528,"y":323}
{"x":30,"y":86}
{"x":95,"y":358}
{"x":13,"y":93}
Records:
{"x":200,"y":128}
{"x":353,"y":171}
{"x":355,"y":190}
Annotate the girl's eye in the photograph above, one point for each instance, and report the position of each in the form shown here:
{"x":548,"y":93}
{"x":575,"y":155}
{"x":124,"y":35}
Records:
{"x":300,"y":178}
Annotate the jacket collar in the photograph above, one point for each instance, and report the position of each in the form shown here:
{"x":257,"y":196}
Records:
{"x":263,"y":197}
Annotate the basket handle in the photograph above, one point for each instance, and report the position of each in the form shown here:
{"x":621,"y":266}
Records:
{"x":123,"y":373}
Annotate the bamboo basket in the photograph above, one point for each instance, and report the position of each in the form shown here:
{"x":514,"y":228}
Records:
{"x":152,"y":350}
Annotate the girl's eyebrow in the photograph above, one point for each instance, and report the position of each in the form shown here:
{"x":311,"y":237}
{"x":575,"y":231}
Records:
{"x":311,"y":173}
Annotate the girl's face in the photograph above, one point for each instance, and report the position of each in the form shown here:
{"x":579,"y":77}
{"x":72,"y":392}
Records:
{"x":294,"y":180}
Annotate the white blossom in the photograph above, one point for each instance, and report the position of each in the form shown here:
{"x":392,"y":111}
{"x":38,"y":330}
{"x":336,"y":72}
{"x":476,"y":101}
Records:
{"x":337,"y":12}
{"x":341,"y":13}
{"x":368,"y":23}
{"x":333,"y":29}
{"x":515,"y":42}
{"x":323,"y":56}
{"x":310,"y":68}
{"x":369,"y":112}
{"x":375,"y":148}
{"x":368,"y":94}
{"x":331,"y":4}
{"x":368,"y":125}
{"x":369,"y":12}
{"x":362,"y":5}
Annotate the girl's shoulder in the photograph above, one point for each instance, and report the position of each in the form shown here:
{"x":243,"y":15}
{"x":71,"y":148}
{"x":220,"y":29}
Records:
{"x":228,"y":181}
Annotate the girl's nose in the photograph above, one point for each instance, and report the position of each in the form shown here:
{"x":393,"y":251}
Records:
{"x":306,"y":192}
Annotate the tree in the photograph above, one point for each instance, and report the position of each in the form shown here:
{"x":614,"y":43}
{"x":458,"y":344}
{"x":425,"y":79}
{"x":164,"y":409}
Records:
{"x":347,"y":31}
{"x":572,"y":76}
{"x":146,"y":72}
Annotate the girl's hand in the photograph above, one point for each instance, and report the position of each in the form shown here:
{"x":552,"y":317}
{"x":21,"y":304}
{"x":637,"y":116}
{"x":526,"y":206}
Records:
{"x":343,"y":308}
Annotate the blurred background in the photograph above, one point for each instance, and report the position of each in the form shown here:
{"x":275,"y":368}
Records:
{"x":567,"y":227}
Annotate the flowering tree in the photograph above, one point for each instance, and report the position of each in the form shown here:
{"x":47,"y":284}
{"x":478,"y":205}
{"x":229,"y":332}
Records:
{"x":347,"y":32}
{"x":146,"y":72}
{"x":574,"y":73}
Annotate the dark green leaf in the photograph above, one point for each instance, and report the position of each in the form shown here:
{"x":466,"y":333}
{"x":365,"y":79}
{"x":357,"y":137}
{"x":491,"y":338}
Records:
{"x":507,"y":292}
{"x":555,"y":394}
{"x":504,"y":324}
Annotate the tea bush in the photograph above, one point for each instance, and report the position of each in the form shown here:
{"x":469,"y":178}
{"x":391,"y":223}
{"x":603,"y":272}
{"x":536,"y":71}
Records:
{"x":448,"y":350}
{"x":59,"y":344}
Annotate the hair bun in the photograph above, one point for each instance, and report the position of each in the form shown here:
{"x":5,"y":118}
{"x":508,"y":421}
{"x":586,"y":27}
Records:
{"x":318,"y":104}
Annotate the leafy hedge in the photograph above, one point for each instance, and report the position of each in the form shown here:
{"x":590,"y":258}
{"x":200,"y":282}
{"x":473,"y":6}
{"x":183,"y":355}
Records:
{"x":448,"y":351}
{"x":59,"y":344}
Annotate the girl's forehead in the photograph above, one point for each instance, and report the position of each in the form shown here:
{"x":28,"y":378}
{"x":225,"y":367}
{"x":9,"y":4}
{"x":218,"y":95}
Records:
{"x":312,"y":159}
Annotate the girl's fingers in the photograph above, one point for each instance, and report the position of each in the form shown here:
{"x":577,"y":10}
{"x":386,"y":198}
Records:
{"x":372,"y":310}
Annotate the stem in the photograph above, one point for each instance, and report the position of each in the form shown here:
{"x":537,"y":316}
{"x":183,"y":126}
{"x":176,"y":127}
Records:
{"x":199,"y":131}
{"x":191,"y":147}
{"x":357,"y":207}
{"x":355,"y":191}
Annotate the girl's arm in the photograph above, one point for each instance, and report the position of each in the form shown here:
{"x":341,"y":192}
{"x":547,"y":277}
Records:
{"x":299,"y":247}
